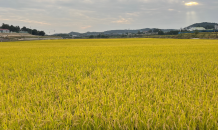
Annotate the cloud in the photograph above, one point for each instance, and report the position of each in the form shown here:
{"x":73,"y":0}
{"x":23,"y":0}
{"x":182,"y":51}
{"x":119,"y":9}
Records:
{"x":122,"y":21}
{"x":133,"y":14}
{"x":5,"y":19}
{"x":191,"y":3}
{"x":88,"y":1}
{"x":86,"y":27}
{"x":37,"y":22}
{"x":65,"y":16}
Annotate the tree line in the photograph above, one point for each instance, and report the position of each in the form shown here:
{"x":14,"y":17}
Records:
{"x":160,"y":32}
{"x":18,"y":29}
{"x":99,"y":36}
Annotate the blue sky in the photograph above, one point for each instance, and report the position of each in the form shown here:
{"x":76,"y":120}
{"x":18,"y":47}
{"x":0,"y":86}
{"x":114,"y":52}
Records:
{"x":65,"y":16}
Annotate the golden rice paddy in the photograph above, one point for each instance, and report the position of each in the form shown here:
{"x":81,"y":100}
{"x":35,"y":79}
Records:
{"x":109,"y":84}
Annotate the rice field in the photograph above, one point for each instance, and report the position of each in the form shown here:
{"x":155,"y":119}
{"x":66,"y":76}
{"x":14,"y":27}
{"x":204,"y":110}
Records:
{"x":129,"y":84}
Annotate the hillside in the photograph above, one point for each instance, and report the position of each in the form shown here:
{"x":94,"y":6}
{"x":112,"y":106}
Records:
{"x":206,"y":25}
{"x":111,"y":32}
{"x":74,"y":33}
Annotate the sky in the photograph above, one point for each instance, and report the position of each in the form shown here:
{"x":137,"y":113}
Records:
{"x":64,"y":16}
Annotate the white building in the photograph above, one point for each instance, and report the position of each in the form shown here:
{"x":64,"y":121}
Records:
{"x":4,"y":31}
{"x":74,"y":35}
{"x":216,"y":27}
{"x":196,"y":28}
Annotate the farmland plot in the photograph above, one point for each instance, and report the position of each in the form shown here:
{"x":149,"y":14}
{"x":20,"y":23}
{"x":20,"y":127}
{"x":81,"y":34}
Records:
{"x":109,"y":84}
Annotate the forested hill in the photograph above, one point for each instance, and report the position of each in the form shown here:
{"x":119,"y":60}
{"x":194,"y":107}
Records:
{"x":115,"y":31}
{"x":206,"y":25}
{"x":18,"y":29}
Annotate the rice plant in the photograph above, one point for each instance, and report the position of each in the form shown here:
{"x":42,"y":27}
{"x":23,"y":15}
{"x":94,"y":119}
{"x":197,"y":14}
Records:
{"x":109,"y":84}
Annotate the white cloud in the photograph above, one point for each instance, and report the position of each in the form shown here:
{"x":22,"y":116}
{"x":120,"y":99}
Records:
{"x":5,"y":19}
{"x":37,"y":22}
{"x":191,"y":3}
{"x":122,"y":21}
{"x":86,"y":27}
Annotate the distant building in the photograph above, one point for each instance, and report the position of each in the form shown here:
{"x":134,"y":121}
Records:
{"x":216,"y":27}
{"x":73,"y":36}
{"x":4,"y":31}
{"x":196,"y":28}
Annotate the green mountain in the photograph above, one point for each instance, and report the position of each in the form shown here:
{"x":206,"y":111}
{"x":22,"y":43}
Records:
{"x":206,"y":25}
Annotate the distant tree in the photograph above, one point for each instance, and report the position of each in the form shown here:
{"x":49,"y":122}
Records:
{"x":154,"y":30}
{"x":5,"y":26}
{"x":102,"y":36}
{"x":123,"y":35}
{"x":139,"y":32}
{"x":41,"y":33}
{"x":11,"y":28}
{"x":24,"y":28}
{"x":160,"y":32}
{"x":18,"y":29}
{"x":35,"y":32}
{"x":30,"y":31}
{"x":172,"y":33}
{"x":91,"y":36}
{"x":209,"y":27}
{"x":196,"y":32}
{"x":14,"y":28}
{"x":184,"y":30}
